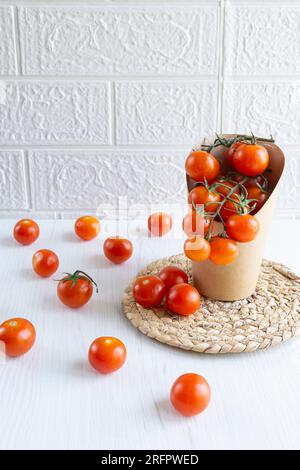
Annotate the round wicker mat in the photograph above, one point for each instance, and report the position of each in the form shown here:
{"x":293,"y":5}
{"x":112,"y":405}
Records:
{"x":268,"y":317}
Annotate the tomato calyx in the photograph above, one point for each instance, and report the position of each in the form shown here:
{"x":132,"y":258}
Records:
{"x":78,"y":274}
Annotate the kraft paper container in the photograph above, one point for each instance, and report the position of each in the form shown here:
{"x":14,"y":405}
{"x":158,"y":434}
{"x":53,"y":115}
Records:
{"x":238,"y":280}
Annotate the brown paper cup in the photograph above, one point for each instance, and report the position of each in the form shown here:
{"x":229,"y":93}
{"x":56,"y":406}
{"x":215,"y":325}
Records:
{"x":238,"y":280}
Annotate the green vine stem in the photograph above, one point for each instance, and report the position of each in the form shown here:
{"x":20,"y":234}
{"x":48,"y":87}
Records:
{"x":252,"y":139}
{"x":78,"y":274}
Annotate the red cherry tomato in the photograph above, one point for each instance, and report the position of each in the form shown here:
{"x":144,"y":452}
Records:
{"x":251,"y":159}
{"x":45,"y":263}
{"x":107,"y":354}
{"x":190,"y":394}
{"x":148,"y":291}
{"x":75,"y":290}
{"x":159,"y":224}
{"x":260,"y":198}
{"x":18,"y":335}
{"x":87,"y":227}
{"x":202,"y":196}
{"x":223,"y":250}
{"x":202,"y":165}
{"x":242,"y":228}
{"x":231,"y":151}
{"x":197,"y":248}
{"x":172,"y":275}
{"x":26,"y":231}
{"x":194,"y":224}
{"x":225,"y":187}
{"x":117,"y":249}
{"x":231,"y":208}
{"x":183,"y":299}
{"x":254,"y":181}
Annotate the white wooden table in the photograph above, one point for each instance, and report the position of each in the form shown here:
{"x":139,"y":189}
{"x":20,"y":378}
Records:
{"x":52,"y":399}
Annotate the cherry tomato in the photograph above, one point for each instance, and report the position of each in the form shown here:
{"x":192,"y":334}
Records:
{"x":223,"y":250}
{"x":200,"y":196}
{"x":190,"y":394}
{"x":26,"y":231}
{"x":18,"y":335}
{"x":183,"y":299}
{"x":197,"y":248}
{"x":172,"y":275}
{"x":75,"y":290}
{"x":242,"y":228}
{"x":260,"y":198}
{"x":159,"y":224}
{"x":194,"y":224}
{"x":148,"y":291}
{"x":254,"y":181}
{"x":224,"y":187}
{"x":87,"y":227}
{"x":45,"y":263}
{"x":202,"y":165}
{"x":107,"y":354}
{"x":117,"y":249}
{"x":231,"y":151}
{"x":251,"y":159}
{"x":231,"y":208}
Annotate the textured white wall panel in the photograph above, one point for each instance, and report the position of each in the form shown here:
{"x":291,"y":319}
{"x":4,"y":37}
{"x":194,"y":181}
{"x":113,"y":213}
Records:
{"x":7,"y":45}
{"x":54,"y":113}
{"x":262,"y":38}
{"x":86,"y":179}
{"x":118,"y":40}
{"x":12,"y":183}
{"x":289,"y":197}
{"x":165,"y":112}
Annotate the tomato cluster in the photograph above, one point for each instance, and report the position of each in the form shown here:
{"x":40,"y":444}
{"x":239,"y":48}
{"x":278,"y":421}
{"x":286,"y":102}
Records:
{"x":231,"y":199}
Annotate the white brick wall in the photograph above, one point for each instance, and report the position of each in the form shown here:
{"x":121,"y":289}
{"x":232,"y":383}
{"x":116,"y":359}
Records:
{"x":103,"y":99}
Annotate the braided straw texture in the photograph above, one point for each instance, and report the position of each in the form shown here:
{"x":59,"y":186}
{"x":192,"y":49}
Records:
{"x":268,"y":317}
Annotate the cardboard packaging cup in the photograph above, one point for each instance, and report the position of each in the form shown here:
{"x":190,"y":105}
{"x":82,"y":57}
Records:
{"x":238,"y":280}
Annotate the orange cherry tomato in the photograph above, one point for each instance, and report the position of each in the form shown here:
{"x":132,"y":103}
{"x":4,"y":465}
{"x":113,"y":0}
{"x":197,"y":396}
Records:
{"x":202,"y":165}
{"x":260,"y":198}
{"x":195,"y":224}
{"x":251,"y":159}
{"x":87,"y":227}
{"x":183,"y":299}
{"x":242,"y":228}
{"x":75,"y":290}
{"x":45,"y":263}
{"x":197,"y":248}
{"x":26,"y":231}
{"x":223,"y":250}
{"x":190,"y":394}
{"x":117,"y":249}
{"x":172,"y":275}
{"x":231,"y":208}
{"x":148,"y":291}
{"x":231,"y":151}
{"x":18,"y":335}
{"x":107,"y":354}
{"x":225,"y":187}
{"x":159,"y":224}
{"x":202,"y":196}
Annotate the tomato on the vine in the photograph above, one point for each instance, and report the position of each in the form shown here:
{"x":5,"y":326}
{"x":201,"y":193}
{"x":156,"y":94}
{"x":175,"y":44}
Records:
{"x":223,"y":250}
{"x":242,"y":227}
{"x":224,"y":187}
{"x":256,"y":181}
{"x":251,"y":159}
{"x":194,"y":223}
{"x":107,"y":354}
{"x":26,"y":231}
{"x":148,"y":291}
{"x":117,"y":249}
{"x":75,"y":290}
{"x":18,"y":335}
{"x":231,"y":151}
{"x":200,"y":195}
{"x":231,"y":207}
{"x":45,"y":263}
{"x":190,"y":394}
{"x":87,"y":227}
{"x":201,"y":165}
{"x":183,"y":299}
{"x":159,"y":224}
{"x":197,"y":248}
{"x":171,"y":275}
{"x":260,"y":198}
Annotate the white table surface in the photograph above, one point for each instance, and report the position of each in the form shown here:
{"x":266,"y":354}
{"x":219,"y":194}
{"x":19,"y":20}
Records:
{"x":52,"y":399}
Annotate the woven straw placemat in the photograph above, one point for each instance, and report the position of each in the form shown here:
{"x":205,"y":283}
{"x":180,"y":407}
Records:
{"x":268,"y":317}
